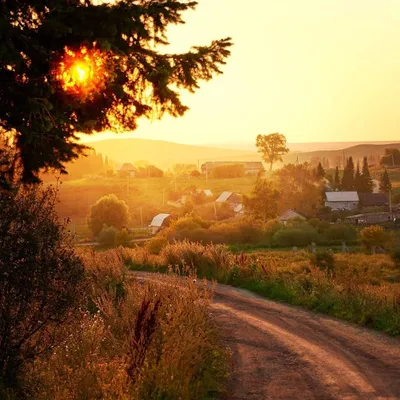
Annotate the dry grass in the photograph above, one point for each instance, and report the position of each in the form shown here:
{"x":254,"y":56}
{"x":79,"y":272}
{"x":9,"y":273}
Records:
{"x":135,"y":340}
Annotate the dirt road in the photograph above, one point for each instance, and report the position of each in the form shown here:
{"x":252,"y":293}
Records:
{"x":283,"y":352}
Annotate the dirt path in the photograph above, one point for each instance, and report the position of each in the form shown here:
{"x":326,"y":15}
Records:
{"x":282,"y":352}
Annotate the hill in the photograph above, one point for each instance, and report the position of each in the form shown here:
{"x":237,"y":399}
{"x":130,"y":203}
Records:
{"x":165,"y":154}
{"x":335,"y":157}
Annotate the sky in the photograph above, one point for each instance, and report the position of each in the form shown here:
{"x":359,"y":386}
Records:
{"x":314,"y":70}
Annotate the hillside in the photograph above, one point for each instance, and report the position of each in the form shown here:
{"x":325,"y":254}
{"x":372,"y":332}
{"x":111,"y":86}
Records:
{"x":335,"y":156}
{"x":164,"y":154}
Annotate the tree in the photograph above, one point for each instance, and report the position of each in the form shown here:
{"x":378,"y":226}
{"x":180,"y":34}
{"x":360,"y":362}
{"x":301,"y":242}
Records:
{"x":87,"y":66}
{"x":391,"y":157}
{"x":272,"y":147}
{"x":348,"y":182}
{"x":299,"y":189}
{"x":373,"y":236}
{"x":320,"y":172}
{"x":41,"y":278}
{"x":228,"y":171}
{"x":367,"y":183}
{"x":336,"y":179}
{"x":108,"y":211}
{"x":358,"y":180}
{"x":385,"y":185}
{"x":263,"y":202}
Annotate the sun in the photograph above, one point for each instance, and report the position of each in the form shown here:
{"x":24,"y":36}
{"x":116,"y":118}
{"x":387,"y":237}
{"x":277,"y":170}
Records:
{"x":81,"y":72}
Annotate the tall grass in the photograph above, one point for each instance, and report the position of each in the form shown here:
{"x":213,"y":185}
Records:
{"x":364,"y":289}
{"x":133,"y":340}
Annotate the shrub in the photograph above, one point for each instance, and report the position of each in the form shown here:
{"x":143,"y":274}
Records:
{"x":156,"y":244}
{"x":108,"y":236}
{"x":295,"y":237}
{"x":123,"y":237}
{"x":373,"y":236}
{"x":341,"y":232}
{"x":324,"y":260}
{"x":108,"y":211}
{"x":396,"y":256}
{"x":40,"y":281}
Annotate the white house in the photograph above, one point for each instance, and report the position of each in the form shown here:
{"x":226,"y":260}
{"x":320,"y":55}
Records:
{"x":158,"y":222}
{"x":288,"y":215}
{"x":342,"y":200}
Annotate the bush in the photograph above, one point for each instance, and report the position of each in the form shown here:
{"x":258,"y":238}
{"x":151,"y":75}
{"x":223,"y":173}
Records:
{"x":108,"y":236}
{"x":40,"y":281}
{"x":373,"y":236}
{"x":395,"y":256}
{"x":156,"y":244}
{"x":123,"y":237}
{"x":324,"y":260}
{"x":110,"y":211}
{"x":341,"y":232}
{"x":289,"y":237}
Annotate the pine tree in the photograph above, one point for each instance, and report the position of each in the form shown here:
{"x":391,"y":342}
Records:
{"x":42,"y":116}
{"x":358,"y":180}
{"x":385,"y":185}
{"x":319,"y":172}
{"x":348,"y":182}
{"x":336,"y":179}
{"x":367,"y":183}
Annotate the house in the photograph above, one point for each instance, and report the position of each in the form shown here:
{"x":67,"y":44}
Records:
{"x":289,"y":215}
{"x":159,"y":221}
{"x":230,"y":198}
{"x":342,"y":200}
{"x":208,"y":192}
{"x":127,"y":169}
{"x":250,"y":167}
{"x":373,"y":199}
{"x":369,"y":219}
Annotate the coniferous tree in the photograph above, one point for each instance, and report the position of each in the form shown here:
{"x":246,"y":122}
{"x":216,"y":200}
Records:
{"x":385,"y":185}
{"x":41,"y":113}
{"x":348,"y":182}
{"x":358,"y":180}
{"x":319,"y":172}
{"x":336,"y":179}
{"x":367,"y":183}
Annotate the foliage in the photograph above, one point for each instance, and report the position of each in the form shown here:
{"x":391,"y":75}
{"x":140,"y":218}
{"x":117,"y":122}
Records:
{"x":385,"y":185}
{"x":126,"y":37}
{"x":391,"y":157}
{"x":320,"y":172}
{"x":150,"y":171}
{"x":373,"y":236}
{"x":348,"y":180}
{"x":367,"y":183}
{"x":137,"y":341}
{"x":299,"y":189}
{"x":109,"y":211}
{"x":324,"y":260}
{"x":272,"y":147}
{"x":289,"y":237}
{"x":263,"y":202}
{"x":40,"y":278}
{"x":156,"y":244}
{"x":228,"y":171}
{"x":108,"y":236}
{"x":336,"y":179}
{"x":396,"y":256}
{"x":341,"y":232}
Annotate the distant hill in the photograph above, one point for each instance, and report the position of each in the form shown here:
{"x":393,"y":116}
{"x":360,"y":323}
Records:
{"x":335,"y":156}
{"x":165,"y":154}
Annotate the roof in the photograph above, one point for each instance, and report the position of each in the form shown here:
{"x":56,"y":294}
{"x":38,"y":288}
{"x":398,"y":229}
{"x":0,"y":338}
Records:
{"x":159,"y":219}
{"x":369,"y":215}
{"x":373,"y":199}
{"x":208,"y":192}
{"x":246,"y":164}
{"x":224,"y":196}
{"x":290,"y":214}
{"x":341,"y":196}
{"x":127,"y":167}
{"x":239,"y":208}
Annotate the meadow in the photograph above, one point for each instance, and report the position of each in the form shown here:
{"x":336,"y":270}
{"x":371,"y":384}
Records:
{"x":131,"y":339}
{"x":364,"y":289}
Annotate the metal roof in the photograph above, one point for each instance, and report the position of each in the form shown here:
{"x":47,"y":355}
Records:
{"x":208,"y":192}
{"x":224,"y":196}
{"x":342,"y":196}
{"x":290,"y":214}
{"x":158,"y":220}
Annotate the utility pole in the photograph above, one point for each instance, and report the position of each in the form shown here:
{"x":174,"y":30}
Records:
{"x":141,"y":217}
{"x":390,"y":204}
{"x":215,"y":211}
{"x":163,"y":196}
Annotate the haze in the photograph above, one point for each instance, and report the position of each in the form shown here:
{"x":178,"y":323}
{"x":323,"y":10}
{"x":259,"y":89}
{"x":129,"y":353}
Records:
{"x":314,"y":70}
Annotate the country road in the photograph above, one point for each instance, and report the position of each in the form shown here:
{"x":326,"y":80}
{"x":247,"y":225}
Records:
{"x":283,"y":352}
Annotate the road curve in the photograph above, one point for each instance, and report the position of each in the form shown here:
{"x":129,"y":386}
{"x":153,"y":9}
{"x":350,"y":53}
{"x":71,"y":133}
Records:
{"x":283,"y":352}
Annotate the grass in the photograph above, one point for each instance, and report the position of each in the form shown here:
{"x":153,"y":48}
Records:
{"x":364,"y":289}
{"x":152,"y":340}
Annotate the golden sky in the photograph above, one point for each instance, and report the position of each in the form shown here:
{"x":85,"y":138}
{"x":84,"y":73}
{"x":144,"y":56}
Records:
{"x":314,"y":70}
